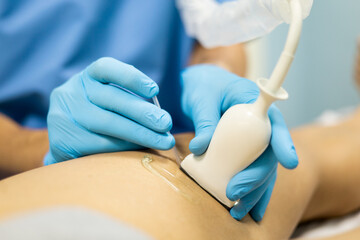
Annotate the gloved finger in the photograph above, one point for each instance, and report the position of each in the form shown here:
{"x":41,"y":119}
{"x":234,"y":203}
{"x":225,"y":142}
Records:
{"x":253,"y":176}
{"x":110,"y":70}
{"x":95,"y":144}
{"x":281,"y":141}
{"x":258,"y":211}
{"x":205,"y":115}
{"x":79,"y":141}
{"x":111,"y":124}
{"x":126,"y":104}
{"x":248,"y":201}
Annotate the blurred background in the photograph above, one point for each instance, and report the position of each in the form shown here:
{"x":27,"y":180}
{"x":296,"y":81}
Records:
{"x":322,"y":76}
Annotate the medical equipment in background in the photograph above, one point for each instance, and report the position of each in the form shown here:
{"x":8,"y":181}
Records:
{"x":220,"y":24}
{"x":244,"y":131}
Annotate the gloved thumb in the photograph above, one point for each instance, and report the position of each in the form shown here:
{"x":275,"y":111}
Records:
{"x":205,"y":116}
{"x":281,"y":141}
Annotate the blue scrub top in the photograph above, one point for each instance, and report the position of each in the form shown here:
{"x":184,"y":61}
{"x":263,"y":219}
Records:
{"x":44,"y":43}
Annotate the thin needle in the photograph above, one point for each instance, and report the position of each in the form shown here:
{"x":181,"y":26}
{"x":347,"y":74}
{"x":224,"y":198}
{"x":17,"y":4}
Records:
{"x":176,"y":152}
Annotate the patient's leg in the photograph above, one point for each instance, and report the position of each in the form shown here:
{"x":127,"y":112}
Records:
{"x":336,"y":151}
{"x":117,"y":184}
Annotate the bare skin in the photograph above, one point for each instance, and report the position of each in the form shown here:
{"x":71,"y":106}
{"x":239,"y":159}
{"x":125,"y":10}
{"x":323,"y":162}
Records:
{"x":34,"y":143}
{"x":21,"y":149}
{"x":231,"y":58}
{"x":340,"y":143}
{"x":117,"y":184}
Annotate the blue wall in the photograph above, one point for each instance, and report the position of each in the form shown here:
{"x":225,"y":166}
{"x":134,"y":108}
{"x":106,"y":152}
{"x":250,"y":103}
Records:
{"x":322,"y":74}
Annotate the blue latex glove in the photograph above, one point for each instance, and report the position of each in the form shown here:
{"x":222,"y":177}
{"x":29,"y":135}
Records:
{"x":90,"y":114}
{"x":208,"y":91}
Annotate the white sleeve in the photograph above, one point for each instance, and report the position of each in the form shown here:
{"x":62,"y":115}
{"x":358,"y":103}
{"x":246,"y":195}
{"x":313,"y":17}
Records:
{"x":281,"y":8}
{"x":214,"y":24}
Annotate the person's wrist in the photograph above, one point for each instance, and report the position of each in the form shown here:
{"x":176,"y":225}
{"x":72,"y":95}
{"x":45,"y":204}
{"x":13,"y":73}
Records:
{"x":23,"y":150}
{"x":36,"y":144}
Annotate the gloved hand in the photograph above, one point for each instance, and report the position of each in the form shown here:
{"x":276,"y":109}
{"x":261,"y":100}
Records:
{"x":90,"y":114}
{"x":208,"y":91}
{"x":281,"y":8}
